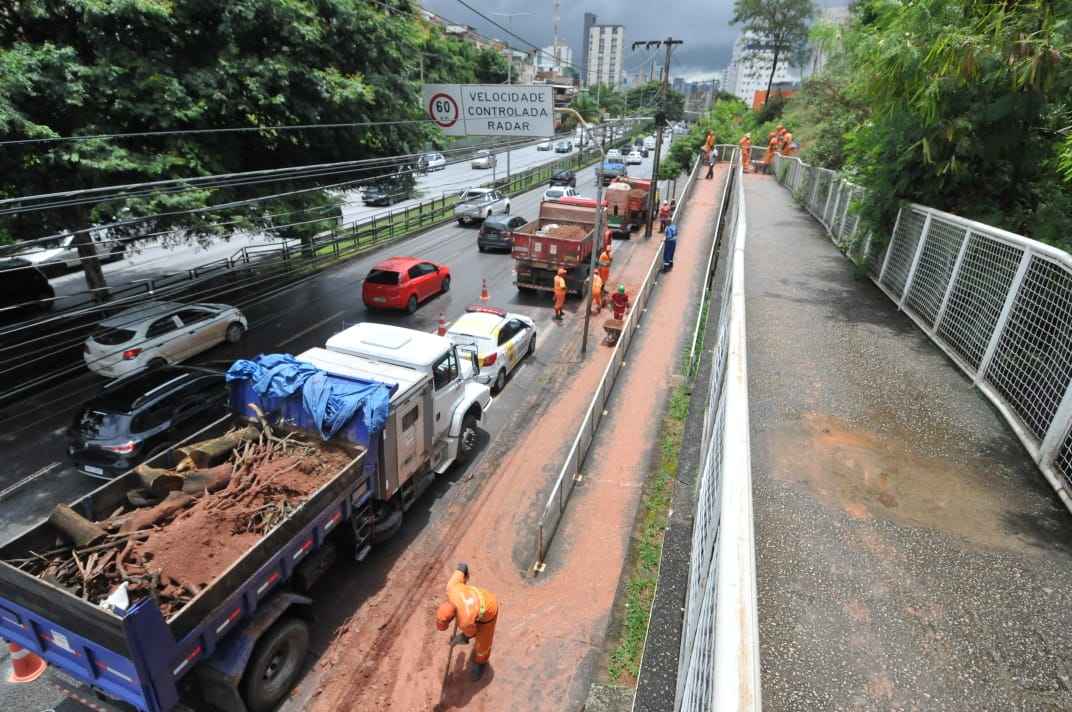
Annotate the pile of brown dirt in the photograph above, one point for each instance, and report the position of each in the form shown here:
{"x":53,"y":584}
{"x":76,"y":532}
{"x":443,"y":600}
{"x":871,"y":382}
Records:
{"x":568,"y":232}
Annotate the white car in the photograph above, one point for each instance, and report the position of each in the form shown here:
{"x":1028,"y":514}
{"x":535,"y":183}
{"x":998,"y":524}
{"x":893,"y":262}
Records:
{"x":634,"y":158}
{"x":483,"y":159}
{"x":558,"y":192}
{"x":545,"y":146}
{"x":159,"y":333}
{"x":614,"y":155}
{"x":477,"y":204}
{"x":60,"y":253}
{"x":649,"y":143}
{"x":433,"y":161}
{"x":501,"y":340}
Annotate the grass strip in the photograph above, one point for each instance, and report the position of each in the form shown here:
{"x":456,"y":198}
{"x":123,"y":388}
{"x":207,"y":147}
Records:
{"x":624,"y":662}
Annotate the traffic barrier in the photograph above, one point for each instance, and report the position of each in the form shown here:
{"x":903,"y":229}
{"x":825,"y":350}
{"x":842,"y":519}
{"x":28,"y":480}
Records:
{"x":441,"y":329}
{"x":26,"y":666}
{"x":484,"y":296}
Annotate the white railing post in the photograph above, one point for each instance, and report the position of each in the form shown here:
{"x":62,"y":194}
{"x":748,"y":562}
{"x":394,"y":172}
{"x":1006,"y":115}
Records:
{"x":1058,"y":430}
{"x":1006,"y":309}
{"x":952,"y":282}
{"x":826,"y":204}
{"x":915,"y":261}
{"x":814,"y":190}
{"x":889,"y":246}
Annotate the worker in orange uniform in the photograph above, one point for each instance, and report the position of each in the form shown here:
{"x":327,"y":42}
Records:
{"x":476,"y":611}
{"x":773,"y":142}
{"x":597,"y":293}
{"x":780,"y":133}
{"x":619,"y":301}
{"x":560,"y":293}
{"x":746,"y":152}
{"x":788,"y":147}
{"x":604,"y":265}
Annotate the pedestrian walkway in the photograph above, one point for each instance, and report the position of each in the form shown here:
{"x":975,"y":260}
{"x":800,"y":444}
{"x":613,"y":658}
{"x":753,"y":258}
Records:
{"x":552,"y":627}
{"x":910,"y":556}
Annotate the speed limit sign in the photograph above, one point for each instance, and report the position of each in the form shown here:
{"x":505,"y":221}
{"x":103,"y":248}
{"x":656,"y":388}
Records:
{"x":443,"y":105}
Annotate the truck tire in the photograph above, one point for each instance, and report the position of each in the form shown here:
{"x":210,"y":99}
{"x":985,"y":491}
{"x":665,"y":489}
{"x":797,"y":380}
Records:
{"x":467,"y":439}
{"x":275,"y":664}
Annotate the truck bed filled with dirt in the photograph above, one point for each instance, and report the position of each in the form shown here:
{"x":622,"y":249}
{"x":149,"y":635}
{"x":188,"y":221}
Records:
{"x":170,"y":533}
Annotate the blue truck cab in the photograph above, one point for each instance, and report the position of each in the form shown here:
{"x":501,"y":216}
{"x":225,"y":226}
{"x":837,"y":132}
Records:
{"x":215,"y":647}
{"x":611,"y":169}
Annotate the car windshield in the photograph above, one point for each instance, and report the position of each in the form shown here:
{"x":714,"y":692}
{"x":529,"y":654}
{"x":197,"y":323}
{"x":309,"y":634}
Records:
{"x":109,"y":336}
{"x":482,"y":154}
{"x":472,"y":195}
{"x":382,"y":276}
{"x":555,"y":193}
{"x":97,"y":424}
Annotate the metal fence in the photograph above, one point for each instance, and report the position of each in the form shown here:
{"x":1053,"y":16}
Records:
{"x":569,"y":474}
{"x":718,"y":667}
{"x":999,"y":305}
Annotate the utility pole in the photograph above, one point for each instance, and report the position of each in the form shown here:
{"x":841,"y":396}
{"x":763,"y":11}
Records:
{"x":509,"y":74}
{"x":660,"y":122}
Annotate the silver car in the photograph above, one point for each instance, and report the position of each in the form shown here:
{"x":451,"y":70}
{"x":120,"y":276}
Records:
{"x":483,"y":159}
{"x":159,"y":333}
{"x":477,"y":204}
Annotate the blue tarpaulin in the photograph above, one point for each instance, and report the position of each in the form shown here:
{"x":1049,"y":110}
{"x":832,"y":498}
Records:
{"x":331,"y":400}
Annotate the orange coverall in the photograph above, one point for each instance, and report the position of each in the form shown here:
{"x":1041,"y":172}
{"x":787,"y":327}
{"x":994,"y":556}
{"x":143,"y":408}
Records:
{"x":560,"y":294}
{"x":709,"y":143}
{"x":787,"y":144}
{"x":597,"y":293}
{"x":476,"y":610}
{"x":746,"y":153}
{"x":604,"y":266}
{"x":772,"y":146}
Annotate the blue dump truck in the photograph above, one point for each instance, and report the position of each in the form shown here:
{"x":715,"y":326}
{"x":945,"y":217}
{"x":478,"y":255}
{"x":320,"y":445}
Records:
{"x":609,"y":170}
{"x":238,"y":644}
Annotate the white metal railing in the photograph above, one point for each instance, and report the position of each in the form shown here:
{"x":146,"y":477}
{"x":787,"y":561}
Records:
{"x":570,"y":472}
{"x":718,"y":666}
{"x":999,"y":305}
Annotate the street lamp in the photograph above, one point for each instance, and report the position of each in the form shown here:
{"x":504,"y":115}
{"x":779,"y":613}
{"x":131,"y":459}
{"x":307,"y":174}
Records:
{"x":597,"y":233}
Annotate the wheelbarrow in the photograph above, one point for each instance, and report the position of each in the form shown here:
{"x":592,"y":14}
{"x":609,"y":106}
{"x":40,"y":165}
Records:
{"x":612,"y":328}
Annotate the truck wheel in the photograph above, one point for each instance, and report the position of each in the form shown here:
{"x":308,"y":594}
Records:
{"x":467,"y":439}
{"x":411,"y":305}
{"x":275,"y":665}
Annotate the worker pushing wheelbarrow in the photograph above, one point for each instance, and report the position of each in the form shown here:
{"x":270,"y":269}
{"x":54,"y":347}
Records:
{"x":619,"y":302}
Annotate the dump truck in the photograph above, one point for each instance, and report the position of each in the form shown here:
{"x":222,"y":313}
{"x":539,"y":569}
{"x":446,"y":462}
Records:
{"x":560,"y":237}
{"x":238,"y":643}
{"x":610,"y":169}
{"x":627,"y":205}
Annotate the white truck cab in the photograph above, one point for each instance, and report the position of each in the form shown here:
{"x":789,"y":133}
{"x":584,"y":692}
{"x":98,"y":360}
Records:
{"x":457,"y":399}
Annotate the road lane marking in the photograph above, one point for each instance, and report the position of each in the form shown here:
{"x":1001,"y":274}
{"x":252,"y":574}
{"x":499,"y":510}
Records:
{"x":315,"y":326}
{"x":7,"y":491}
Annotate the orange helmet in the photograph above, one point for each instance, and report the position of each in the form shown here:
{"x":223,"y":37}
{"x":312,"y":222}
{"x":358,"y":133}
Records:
{"x":444,"y":615}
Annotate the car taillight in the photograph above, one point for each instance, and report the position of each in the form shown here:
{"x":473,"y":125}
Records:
{"x":131,"y":354}
{"x":123,"y":448}
{"x":489,"y":360}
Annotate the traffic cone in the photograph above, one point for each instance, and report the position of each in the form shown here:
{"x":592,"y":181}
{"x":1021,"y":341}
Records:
{"x":442,"y":328}
{"x":484,"y":296}
{"x":25,"y":665}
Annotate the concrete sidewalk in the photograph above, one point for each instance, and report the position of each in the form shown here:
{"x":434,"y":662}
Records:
{"x":911,"y":556}
{"x":551,"y":628}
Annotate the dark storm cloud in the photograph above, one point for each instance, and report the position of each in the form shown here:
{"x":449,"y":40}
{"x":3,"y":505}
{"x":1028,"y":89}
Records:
{"x":702,"y":24}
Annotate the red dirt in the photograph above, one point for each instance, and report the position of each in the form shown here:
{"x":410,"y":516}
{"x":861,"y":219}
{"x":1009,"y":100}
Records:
{"x":567,"y":232}
{"x":389,"y":655}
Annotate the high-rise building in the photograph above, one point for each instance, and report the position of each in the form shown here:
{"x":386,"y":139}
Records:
{"x":554,"y":58}
{"x":604,"y":52}
{"x":750,"y":68}
{"x":679,"y":85}
{"x":589,"y":21}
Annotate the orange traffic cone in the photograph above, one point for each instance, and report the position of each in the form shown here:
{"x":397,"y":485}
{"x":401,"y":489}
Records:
{"x":484,"y":296}
{"x":25,"y":665}
{"x":442,"y":328}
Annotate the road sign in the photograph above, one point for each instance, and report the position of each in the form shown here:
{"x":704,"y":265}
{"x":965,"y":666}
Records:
{"x":491,"y":109}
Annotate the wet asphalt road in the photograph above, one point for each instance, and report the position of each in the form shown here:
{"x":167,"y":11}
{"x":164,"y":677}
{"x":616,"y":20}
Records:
{"x":910,"y":555}
{"x":296,"y":318}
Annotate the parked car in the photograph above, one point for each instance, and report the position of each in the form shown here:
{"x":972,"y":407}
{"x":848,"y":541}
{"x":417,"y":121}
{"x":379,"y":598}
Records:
{"x":501,"y":340}
{"x":496,"y":232}
{"x":558,"y":192}
{"x":432,"y":161}
{"x":483,"y":159}
{"x":564,"y":177}
{"x":404,"y":283}
{"x":564,"y":147}
{"x":59,"y":254}
{"x":614,"y":154}
{"x":140,"y":416}
{"x":154,"y":334}
{"x":476,"y":204}
{"x":634,"y":158}
{"x":24,"y":290}
{"x":544,"y":146}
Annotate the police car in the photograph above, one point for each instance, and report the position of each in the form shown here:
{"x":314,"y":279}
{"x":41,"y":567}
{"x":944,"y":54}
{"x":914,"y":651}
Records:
{"x":501,"y":340}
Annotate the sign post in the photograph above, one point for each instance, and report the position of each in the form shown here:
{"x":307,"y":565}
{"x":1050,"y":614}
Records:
{"x":491,"y":109}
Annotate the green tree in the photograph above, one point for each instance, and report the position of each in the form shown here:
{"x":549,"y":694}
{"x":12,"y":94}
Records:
{"x":70,"y":67}
{"x":776,"y":26}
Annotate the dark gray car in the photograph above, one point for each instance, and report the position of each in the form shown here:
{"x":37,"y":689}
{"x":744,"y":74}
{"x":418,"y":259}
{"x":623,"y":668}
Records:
{"x":495,"y":232}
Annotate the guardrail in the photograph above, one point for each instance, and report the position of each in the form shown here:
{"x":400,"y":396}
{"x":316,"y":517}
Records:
{"x":718,"y":665}
{"x":570,"y":471}
{"x":360,"y":234}
{"x":997,"y":303}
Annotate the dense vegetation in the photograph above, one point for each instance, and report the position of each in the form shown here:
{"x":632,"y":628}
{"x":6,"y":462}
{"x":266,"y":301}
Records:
{"x":84,"y":67}
{"x":962,"y":105}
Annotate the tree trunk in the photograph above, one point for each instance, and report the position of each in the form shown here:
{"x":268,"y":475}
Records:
{"x":773,"y":69}
{"x":91,"y":266}
{"x":78,"y":529}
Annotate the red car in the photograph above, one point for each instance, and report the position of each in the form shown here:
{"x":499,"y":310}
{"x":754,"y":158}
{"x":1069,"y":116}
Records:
{"x":403,"y":283}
